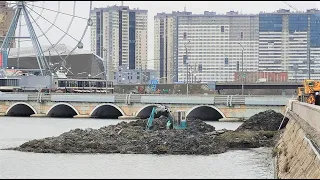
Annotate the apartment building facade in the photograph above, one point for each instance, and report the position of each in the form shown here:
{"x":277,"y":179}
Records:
{"x":210,"y":45}
{"x":166,"y":45}
{"x":288,"y":41}
{"x":120,"y":36}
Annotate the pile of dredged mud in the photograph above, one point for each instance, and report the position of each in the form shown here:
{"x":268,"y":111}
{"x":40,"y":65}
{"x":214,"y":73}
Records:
{"x":133,"y":138}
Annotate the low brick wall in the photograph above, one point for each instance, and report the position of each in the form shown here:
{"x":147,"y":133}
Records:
{"x":296,"y":152}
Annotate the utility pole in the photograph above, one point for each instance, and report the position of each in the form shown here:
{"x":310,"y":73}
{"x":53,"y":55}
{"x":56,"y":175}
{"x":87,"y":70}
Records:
{"x":105,"y":67}
{"x":242,"y":78}
{"x":309,"y":64}
{"x":141,"y":74}
{"x":187,"y":64}
{"x":308,"y":47}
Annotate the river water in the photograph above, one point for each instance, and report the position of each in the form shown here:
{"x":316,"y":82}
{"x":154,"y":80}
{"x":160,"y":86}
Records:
{"x":250,"y":163}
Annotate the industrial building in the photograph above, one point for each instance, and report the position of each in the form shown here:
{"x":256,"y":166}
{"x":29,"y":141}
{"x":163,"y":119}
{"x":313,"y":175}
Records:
{"x":79,"y":64}
{"x":124,"y":75}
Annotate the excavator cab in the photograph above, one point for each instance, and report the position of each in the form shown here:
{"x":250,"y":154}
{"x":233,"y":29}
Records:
{"x":180,"y":121}
{"x":173,"y":122}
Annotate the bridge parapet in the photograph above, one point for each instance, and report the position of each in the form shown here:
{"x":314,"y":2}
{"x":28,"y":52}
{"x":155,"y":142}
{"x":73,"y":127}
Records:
{"x":228,"y":100}
{"x":308,"y":112}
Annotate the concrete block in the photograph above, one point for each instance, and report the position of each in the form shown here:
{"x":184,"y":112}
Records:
{"x":286,"y":135}
{"x":310,"y":151}
{"x":306,"y":163}
{"x":300,"y":134}
{"x":303,"y":157}
{"x":293,"y":162}
{"x":290,"y":124}
{"x":295,"y":129}
{"x":298,"y":149}
{"x":284,"y":176}
{"x":317,"y":162}
{"x":282,"y":160}
{"x":316,"y":173}
{"x":305,"y":142}
{"x":311,"y":170}
{"x":294,"y":170}
{"x":299,"y":174}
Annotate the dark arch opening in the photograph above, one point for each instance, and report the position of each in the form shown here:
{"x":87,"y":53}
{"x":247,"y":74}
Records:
{"x":20,"y":110}
{"x":62,"y":110}
{"x":106,"y":112}
{"x":145,"y":112}
{"x":205,"y":113}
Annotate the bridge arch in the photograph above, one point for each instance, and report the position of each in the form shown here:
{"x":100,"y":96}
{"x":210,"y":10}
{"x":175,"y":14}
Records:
{"x":62,"y":110}
{"x":107,"y":110}
{"x":205,"y":113}
{"x":146,"y":110}
{"x":20,"y":109}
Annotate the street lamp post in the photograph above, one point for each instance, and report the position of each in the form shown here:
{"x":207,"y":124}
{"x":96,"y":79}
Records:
{"x":186,"y":56}
{"x":242,"y":79}
{"x":105,"y":67}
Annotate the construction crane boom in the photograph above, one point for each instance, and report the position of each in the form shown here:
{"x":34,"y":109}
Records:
{"x":290,"y":5}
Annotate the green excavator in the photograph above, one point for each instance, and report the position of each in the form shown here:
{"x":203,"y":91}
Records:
{"x":177,"y":122}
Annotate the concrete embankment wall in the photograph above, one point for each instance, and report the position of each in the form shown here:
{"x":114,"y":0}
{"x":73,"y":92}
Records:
{"x":297,"y":153}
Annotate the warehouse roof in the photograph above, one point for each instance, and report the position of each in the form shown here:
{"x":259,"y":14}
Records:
{"x":48,"y":50}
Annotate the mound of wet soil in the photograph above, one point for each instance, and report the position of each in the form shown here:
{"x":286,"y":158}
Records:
{"x":132,"y":137}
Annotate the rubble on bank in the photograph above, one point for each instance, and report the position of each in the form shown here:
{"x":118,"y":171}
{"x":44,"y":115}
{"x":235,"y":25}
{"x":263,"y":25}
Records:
{"x":132,"y":138}
{"x":264,"y":121}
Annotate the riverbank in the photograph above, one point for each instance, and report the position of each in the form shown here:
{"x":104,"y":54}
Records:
{"x":131,"y":138}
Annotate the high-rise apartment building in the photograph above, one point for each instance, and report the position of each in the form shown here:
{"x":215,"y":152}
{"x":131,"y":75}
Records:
{"x":6,"y":16}
{"x":209,"y":44}
{"x":288,"y":40}
{"x":120,"y":36}
{"x":166,"y":45}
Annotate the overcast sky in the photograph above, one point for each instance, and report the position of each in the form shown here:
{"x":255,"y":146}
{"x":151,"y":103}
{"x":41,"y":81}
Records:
{"x":82,"y":9}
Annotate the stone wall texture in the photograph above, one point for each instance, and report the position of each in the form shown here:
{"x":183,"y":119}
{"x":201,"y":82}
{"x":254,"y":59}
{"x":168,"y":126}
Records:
{"x":296,"y":151}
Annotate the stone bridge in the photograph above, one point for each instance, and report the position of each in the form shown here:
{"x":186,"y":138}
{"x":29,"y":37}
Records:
{"x":206,"y":107}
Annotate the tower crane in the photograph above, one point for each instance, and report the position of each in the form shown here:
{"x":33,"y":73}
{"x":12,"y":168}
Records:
{"x":290,"y":5}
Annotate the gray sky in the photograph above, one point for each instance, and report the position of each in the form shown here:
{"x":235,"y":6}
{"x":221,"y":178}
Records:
{"x":153,"y":7}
